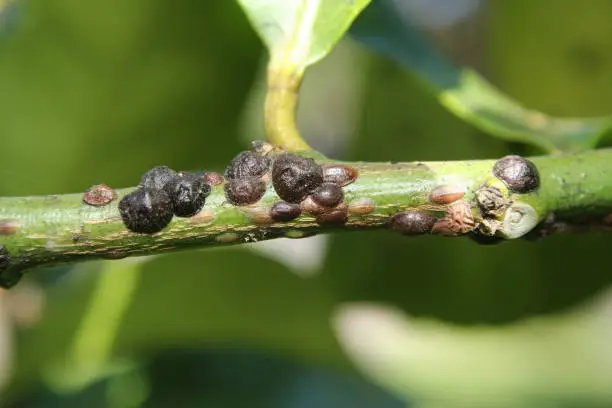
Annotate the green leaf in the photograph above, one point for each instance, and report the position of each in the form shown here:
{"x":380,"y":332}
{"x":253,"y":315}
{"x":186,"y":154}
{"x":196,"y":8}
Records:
{"x":301,"y":32}
{"x":533,"y":363}
{"x":467,"y":94}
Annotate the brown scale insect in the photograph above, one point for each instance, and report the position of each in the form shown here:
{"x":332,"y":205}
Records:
{"x":339,"y":174}
{"x":412,"y":222}
{"x":99,"y":195}
{"x":446,"y":194}
{"x":283,"y":211}
{"x":244,"y":191}
{"x":9,"y":227}
{"x":328,"y":195}
{"x":459,"y":220}
{"x":258,"y":214}
{"x":518,"y":174}
{"x":361,"y":206}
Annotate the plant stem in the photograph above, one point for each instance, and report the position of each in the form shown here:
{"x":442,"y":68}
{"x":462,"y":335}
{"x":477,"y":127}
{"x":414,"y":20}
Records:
{"x":47,"y":230}
{"x":280,"y":107}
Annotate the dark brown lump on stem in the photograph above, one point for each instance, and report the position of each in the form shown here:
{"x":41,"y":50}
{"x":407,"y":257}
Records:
{"x":519,"y":174}
{"x":188,"y":193}
{"x":339,"y":174}
{"x":328,"y":195}
{"x":283,"y":211}
{"x":294,"y":177}
{"x":157,"y":177}
{"x":244,"y":191}
{"x":412,"y":222}
{"x":99,"y":195}
{"x":146,"y":210}
{"x":247,"y":164}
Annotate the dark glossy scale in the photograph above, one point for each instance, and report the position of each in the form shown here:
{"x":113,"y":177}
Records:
{"x":328,"y":195}
{"x":146,"y":210}
{"x":244,"y":191}
{"x":157,"y":177}
{"x":294,"y":177}
{"x":247,"y":164}
{"x":519,"y":174}
{"x":283,"y":211}
{"x":412,"y":222}
{"x":188,"y":192}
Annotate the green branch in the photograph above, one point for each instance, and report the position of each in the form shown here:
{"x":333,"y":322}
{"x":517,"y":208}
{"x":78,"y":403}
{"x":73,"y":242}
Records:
{"x":575,"y":191}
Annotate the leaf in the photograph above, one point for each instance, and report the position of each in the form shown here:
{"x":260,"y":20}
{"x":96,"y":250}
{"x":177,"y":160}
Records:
{"x":541,"y":362}
{"x":301,"y":32}
{"x":467,"y":94}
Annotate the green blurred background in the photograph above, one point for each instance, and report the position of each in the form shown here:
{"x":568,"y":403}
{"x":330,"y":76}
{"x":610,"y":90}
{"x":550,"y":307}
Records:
{"x":99,"y":92}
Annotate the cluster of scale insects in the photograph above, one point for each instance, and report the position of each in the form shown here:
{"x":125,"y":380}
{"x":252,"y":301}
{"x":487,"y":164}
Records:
{"x":307,"y":187}
{"x":518,"y":174}
{"x":304,"y":187}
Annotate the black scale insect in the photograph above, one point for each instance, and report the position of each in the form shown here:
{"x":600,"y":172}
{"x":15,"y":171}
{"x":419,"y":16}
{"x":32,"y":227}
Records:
{"x":244,"y":178}
{"x":295,"y":177}
{"x":162,"y":194}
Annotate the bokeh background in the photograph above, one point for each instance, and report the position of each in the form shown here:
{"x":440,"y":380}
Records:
{"x":94,"y":92}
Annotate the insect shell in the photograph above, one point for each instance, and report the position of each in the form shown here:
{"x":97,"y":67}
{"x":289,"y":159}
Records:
{"x":328,"y":195}
{"x":244,"y":191}
{"x":99,"y":195}
{"x":157,"y":177}
{"x":459,"y":220}
{"x":146,"y":210}
{"x":446,"y":194}
{"x":188,"y":192}
{"x":339,"y":174}
{"x":283,"y":211}
{"x":247,"y":164}
{"x":412,"y":222}
{"x":294,"y":177}
{"x":519,"y":174}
